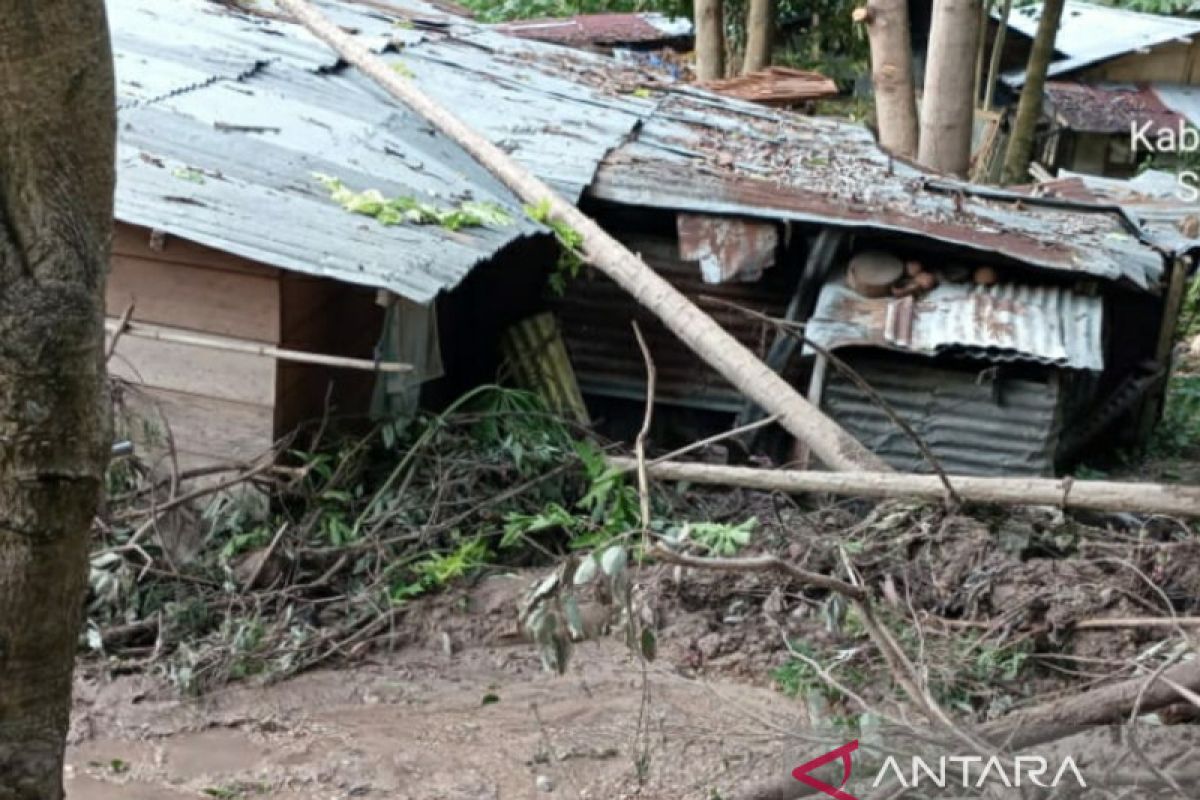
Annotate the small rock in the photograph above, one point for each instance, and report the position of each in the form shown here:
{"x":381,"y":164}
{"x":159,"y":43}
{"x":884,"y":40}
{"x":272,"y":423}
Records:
{"x":709,"y":645}
{"x":545,"y":783}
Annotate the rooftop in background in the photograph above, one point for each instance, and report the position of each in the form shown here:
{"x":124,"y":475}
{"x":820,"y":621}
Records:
{"x":1109,"y":108}
{"x":1090,"y":33}
{"x":604,"y":30}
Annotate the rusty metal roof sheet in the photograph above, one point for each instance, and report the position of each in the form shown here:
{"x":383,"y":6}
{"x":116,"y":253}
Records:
{"x":1005,"y":322}
{"x":601,"y":29}
{"x":1113,"y":109}
{"x":1091,"y":33}
{"x":703,"y":154}
{"x":776,"y":86}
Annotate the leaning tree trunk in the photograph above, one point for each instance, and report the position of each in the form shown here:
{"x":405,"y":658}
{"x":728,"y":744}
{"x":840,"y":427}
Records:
{"x":1029,"y":109}
{"x":760,"y":34}
{"x":948,"y":107}
{"x":836,"y":448}
{"x":993,"y":72}
{"x":57,"y":133}
{"x":710,"y":40}
{"x":892,"y":74}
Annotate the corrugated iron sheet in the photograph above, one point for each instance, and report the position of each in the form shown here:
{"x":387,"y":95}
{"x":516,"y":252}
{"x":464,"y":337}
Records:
{"x":226,"y":117}
{"x":1112,"y":109}
{"x":700,"y":154}
{"x":1004,"y":322}
{"x":1091,"y":33}
{"x":973,"y":426}
{"x":776,"y":86}
{"x":727,"y":248}
{"x":596,"y":317}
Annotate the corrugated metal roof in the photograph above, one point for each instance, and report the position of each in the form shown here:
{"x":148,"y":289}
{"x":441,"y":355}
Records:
{"x":1091,"y":33}
{"x":1109,"y":108}
{"x":226,"y":117}
{"x":1183,"y":100}
{"x":1009,"y":426}
{"x":698,"y":153}
{"x":602,"y":29}
{"x":1004,"y":322}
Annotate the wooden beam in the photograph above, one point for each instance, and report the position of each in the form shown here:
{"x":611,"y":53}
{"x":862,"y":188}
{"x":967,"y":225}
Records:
{"x":229,"y":344}
{"x":1141,"y":498}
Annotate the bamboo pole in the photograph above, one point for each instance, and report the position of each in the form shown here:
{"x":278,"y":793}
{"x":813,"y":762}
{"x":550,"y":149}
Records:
{"x":836,"y":448}
{"x":1141,"y":498}
{"x":231,"y":345}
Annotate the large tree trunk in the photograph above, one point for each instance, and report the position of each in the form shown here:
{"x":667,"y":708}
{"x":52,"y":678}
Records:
{"x":760,"y":34}
{"x":892,"y":74}
{"x":700,"y":332}
{"x":710,"y":40}
{"x":1029,"y":109}
{"x":993,"y":73}
{"x":57,"y":133}
{"x":948,"y":107}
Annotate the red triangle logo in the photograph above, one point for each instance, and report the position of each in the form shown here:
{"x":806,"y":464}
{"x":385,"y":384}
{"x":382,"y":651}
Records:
{"x":802,"y":772}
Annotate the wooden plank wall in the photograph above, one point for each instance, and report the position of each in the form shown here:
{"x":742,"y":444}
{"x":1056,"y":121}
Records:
{"x":220,"y":406}
{"x":324,"y":316}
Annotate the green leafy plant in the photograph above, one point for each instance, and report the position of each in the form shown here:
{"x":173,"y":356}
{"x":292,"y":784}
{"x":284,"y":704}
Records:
{"x":720,"y":539}
{"x":570,"y":242}
{"x":399,"y":210}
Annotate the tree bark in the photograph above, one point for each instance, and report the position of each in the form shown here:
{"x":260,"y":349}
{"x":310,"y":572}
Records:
{"x":948,"y":110}
{"x":1029,"y":109}
{"x":57,"y":134}
{"x":993,"y":74}
{"x":836,"y":448}
{"x":1139,"y":498}
{"x":760,"y":35}
{"x":892,"y":74}
{"x":710,"y":40}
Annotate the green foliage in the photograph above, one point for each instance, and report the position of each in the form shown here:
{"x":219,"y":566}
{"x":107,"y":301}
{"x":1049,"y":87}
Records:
{"x":399,"y":210}
{"x":608,"y":509}
{"x":719,"y":538}
{"x":1166,"y":7}
{"x":570,"y":242}
{"x":1178,"y":432}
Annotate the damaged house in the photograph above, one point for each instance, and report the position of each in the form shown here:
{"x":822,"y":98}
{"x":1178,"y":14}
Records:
{"x":1016,"y":332}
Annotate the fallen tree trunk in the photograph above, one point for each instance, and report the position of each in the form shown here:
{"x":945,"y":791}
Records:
{"x":836,"y":448}
{"x":1143,"y":498}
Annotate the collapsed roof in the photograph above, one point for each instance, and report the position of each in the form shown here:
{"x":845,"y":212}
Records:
{"x":226,"y":117}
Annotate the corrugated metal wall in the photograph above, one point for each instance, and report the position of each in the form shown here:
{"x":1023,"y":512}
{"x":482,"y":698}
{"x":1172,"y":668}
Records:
{"x":596,"y":314}
{"x":973,"y":424}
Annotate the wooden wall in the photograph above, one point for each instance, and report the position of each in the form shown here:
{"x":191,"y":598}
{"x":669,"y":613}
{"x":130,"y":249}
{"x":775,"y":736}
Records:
{"x":219,"y":406}
{"x":1174,"y":62}
{"x":324,"y":316}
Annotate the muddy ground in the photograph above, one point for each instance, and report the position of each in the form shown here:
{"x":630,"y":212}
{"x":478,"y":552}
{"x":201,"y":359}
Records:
{"x":461,"y":710}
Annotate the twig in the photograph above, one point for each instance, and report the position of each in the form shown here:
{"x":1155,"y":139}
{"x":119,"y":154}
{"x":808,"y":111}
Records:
{"x":760,"y":564}
{"x":117,"y":332}
{"x":643,"y":434}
